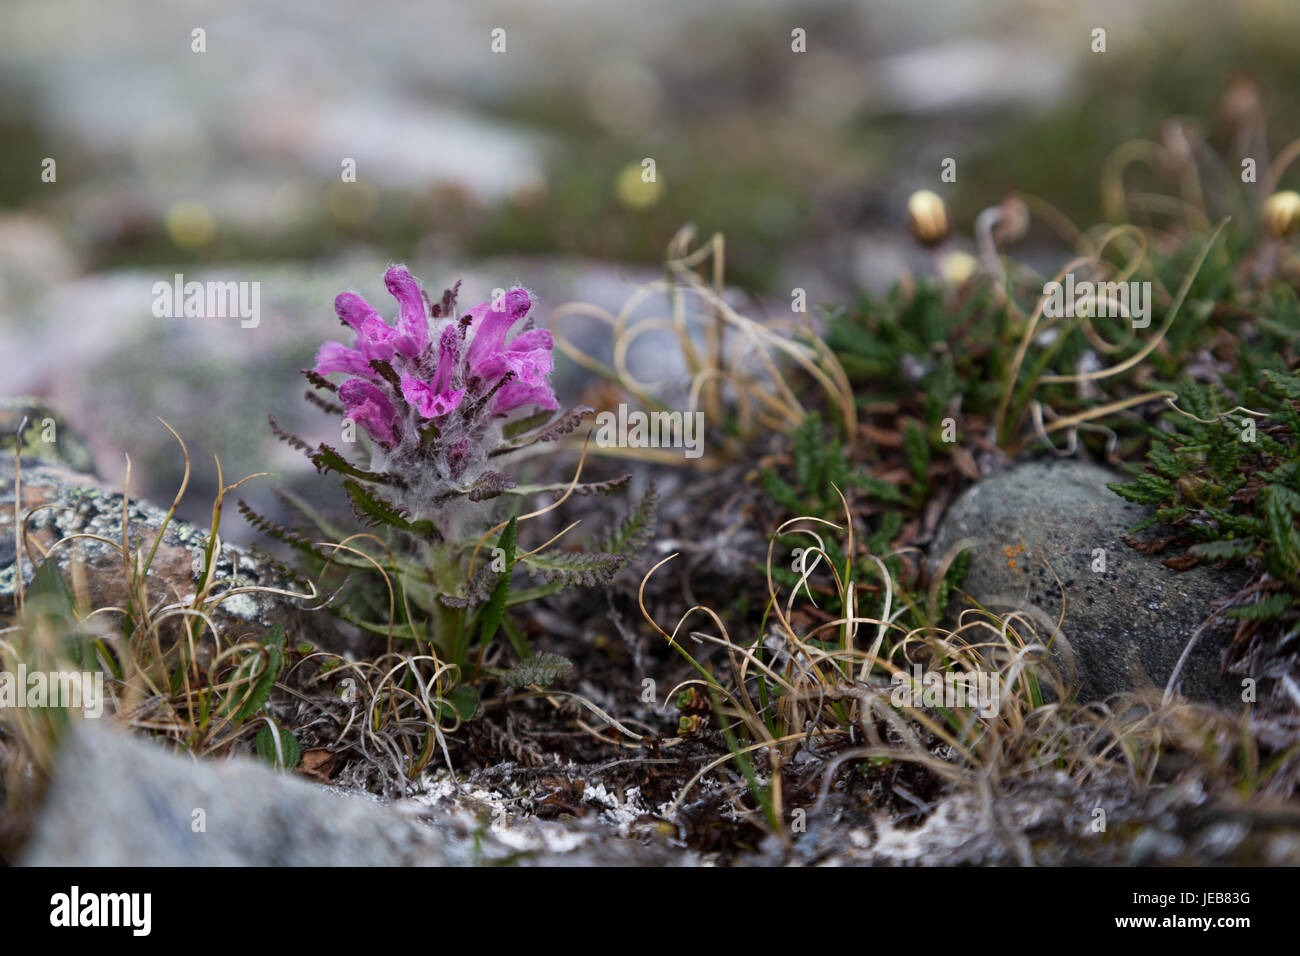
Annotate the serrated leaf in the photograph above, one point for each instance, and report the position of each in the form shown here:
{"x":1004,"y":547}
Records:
{"x":374,"y":510}
{"x":542,"y":669}
{"x":516,"y":428}
{"x":1145,"y":489}
{"x":490,"y":484}
{"x":890,"y":524}
{"x":632,"y":533}
{"x":574,"y":568}
{"x":326,"y":458}
{"x":878,"y":487}
{"x":561,"y":426}
{"x":1164,"y":461}
{"x":1285,"y":385}
{"x":479,"y":589}
{"x":1230,"y":549}
{"x":1264,"y":610}
{"x":600,"y":487}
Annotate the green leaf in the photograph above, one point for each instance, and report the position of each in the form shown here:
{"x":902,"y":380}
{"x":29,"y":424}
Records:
{"x":518,"y":642}
{"x":326,"y":458}
{"x":516,"y":428}
{"x":781,"y":491}
{"x":1229,"y":549}
{"x":496,"y":606}
{"x":289,"y":748}
{"x":265,"y":680}
{"x":50,"y":598}
{"x":1264,"y":610}
{"x":1164,"y":461}
{"x":50,"y":594}
{"x":553,"y":431}
{"x":1285,"y":385}
{"x":918,"y":450}
{"x":1145,"y":489}
{"x":878,"y":487}
{"x":461,"y":701}
{"x":373,"y":509}
{"x":890,"y":524}
{"x":809,"y":450}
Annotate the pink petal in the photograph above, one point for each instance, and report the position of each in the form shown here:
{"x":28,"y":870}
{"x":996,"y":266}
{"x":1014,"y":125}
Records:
{"x":336,"y":357}
{"x":491,"y":322}
{"x":369,"y":407}
{"x":426,"y":400}
{"x":413,"y":324}
{"x":376,"y":339}
{"x":353,"y":309}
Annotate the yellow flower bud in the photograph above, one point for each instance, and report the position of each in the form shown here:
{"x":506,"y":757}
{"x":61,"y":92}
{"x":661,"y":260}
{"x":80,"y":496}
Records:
{"x":1282,"y":213}
{"x":956,"y":267}
{"x":927,"y":217}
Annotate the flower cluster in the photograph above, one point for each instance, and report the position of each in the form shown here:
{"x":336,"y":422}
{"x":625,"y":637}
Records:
{"x":438,"y":393}
{"x":433,"y":389}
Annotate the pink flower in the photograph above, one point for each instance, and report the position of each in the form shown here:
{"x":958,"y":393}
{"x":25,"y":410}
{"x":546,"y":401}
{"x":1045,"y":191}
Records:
{"x":370,"y":408}
{"x":473,"y":357}
{"x":427,"y":401}
{"x":531,"y":384}
{"x":527,"y":356}
{"x":376,"y":339}
{"x":413,"y":325}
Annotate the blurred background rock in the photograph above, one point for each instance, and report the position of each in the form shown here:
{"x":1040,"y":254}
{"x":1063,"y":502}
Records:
{"x":522,"y":165}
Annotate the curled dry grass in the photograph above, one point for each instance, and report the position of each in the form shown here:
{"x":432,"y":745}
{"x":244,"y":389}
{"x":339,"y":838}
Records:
{"x":168,"y":668}
{"x":826,"y":690}
{"x":171,"y":672}
{"x":740,"y":368}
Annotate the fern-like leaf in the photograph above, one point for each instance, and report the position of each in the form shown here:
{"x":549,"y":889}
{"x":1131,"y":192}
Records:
{"x":632,"y":533}
{"x":374,"y":510}
{"x":326,"y":458}
{"x":576,"y":568}
{"x":541,"y":669}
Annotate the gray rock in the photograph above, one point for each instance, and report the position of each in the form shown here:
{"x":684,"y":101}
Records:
{"x":1125,"y":628}
{"x":117,"y":800}
{"x":120,"y":800}
{"x":59,"y":503}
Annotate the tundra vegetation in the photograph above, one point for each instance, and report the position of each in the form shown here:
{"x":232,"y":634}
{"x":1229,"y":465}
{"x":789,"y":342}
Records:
{"x":745,"y":620}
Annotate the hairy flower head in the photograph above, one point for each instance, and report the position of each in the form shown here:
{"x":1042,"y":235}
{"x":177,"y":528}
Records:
{"x":434,"y":389}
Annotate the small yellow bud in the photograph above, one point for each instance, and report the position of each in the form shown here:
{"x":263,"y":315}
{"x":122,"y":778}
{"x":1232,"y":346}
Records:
{"x":927,"y":217}
{"x":956,"y":267}
{"x":1282,"y":213}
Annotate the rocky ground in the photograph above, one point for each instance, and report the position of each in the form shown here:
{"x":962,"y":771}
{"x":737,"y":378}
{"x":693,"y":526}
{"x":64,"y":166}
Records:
{"x":118,"y":798}
{"x":490,"y":169}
